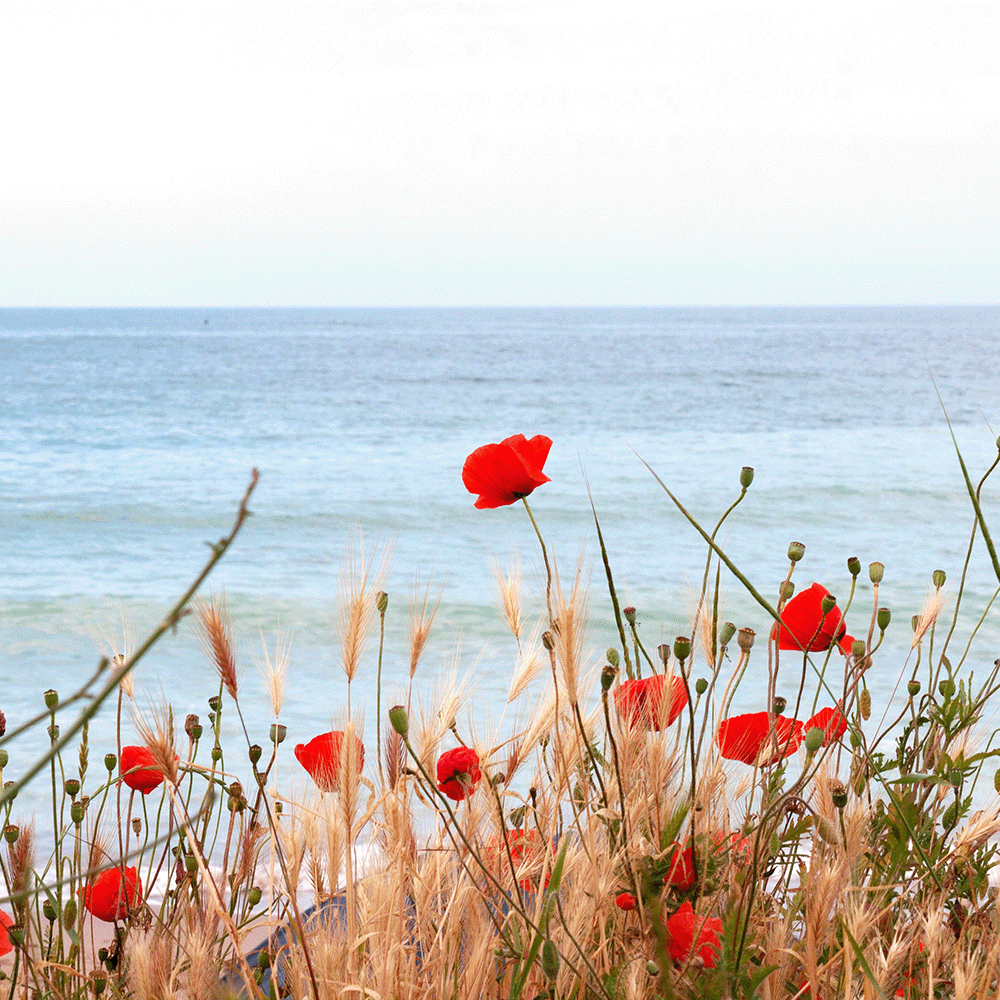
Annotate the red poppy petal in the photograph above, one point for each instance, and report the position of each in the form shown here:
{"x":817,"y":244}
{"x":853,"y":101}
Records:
{"x":533,"y":452}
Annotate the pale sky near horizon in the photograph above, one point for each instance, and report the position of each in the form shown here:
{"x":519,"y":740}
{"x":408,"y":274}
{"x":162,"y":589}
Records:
{"x":339,"y":154}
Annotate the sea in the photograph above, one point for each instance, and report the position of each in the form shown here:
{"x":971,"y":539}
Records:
{"x":128,"y":436}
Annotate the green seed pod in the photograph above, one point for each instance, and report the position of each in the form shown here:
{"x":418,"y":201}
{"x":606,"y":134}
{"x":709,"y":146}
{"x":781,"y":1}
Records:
{"x":746,"y":476}
{"x":629,"y":614}
{"x":883,"y":618}
{"x":381,"y":601}
{"x":726,"y":633}
{"x":865,"y":702}
{"x":110,"y":762}
{"x":613,"y":658}
{"x":254,"y":895}
{"x":190,"y":864}
{"x":744,"y":639}
{"x":550,"y":959}
{"x":8,"y":788}
{"x":277,"y":733}
{"x":254,"y":753}
{"x":215,"y":703}
{"x":855,"y":740}
{"x":608,"y":675}
{"x":137,"y":825}
{"x":858,"y":648}
{"x":69,"y":913}
{"x":4,"y":757}
{"x":77,"y":812}
{"x":838,"y":793}
{"x":786,"y":590}
{"x":663,"y":652}
{"x":71,"y":787}
{"x":682,"y":647}
{"x":700,"y":686}
{"x":938,"y":576}
{"x":875,"y":572}
{"x":827,"y":604}
{"x":399,"y":720}
{"x":778,"y":705}
{"x":915,"y":622}
{"x":49,"y":911}
{"x":98,"y":986}
{"x":814,"y":739}
{"x":854,"y":565}
{"x":947,"y":688}
{"x":913,"y":688}
{"x":828,"y":831}
{"x":652,"y":969}
{"x":263,"y":960}
{"x":216,"y":754}
{"x":996,"y":779}
{"x":190,"y":722}
{"x":796,"y":550}
{"x":51,"y":699}
{"x":15,"y":935}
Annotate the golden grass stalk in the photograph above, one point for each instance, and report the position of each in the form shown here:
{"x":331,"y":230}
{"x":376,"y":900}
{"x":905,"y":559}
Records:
{"x":421,"y":620}
{"x":361,"y":579}
{"x":275,"y":672}
{"x":215,"y":634}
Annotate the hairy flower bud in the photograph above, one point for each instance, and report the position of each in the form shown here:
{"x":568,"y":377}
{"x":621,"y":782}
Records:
{"x":827,"y":830}
{"x":746,"y":476}
{"x":700,"y":686}
{"x":814,"y":739}
{"x":786,"y":590}
{"x":69,"y":913}
{"x":938,"y":577}
{"x":947,"y":688}
{"x":613,"y":658}
{"x":875,"y":571}
{"x":548,"y":641}
{"x":189,"y":726}
{"x":854,"y":565}
{"x":550,"y":959}
{"x":4,"y":757}
{"x":883,"y":618}
{"x":858,"y":648}
{"x":381,"y":601}
{"x":254,"y":895}
{"x":726,"y":633}
{"x":399,"y":720}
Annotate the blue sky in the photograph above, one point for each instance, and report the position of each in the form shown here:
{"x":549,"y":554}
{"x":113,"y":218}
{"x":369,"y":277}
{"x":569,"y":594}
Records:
{"x":480,"y":153}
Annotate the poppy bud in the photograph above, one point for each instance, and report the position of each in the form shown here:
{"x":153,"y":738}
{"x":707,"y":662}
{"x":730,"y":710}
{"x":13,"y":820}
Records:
{"x":548,"y":641}
{"x":71,"y":787}
{"x":726,"y":633}
{"x":883,"y":618}
{"x":110,"y":762}
{"x":827,"y":831}
{"x":786,"y":591}
{"x":215,"y":703}
{"x":652,"y":969}
{"x":263,"y":960}
{"x":858,"y":648}
{"x":996,"y":780}
{"x":827,"y":603}
{"x":51,"y":699}
{"x":778,"y":705}
{"x":745,"y":638}
{"x":915,"y":622}
{"x":865,"y":702}
{"x":253,"y":896}
{"x":69,"y":913}
{"x":855,"y":740}
{"x":814,"y":739}
{"x":4,"y":757}
{"x":746,"y":476}
{"x":608,"y":675}
{"x":381,"y":601}
{"x":950,"y":816}
{"x":48,"y":911}
{"x":796,"y":550}
{"x":938,"y":577}
{"x":550,"y":959}
{"x":613,"y":657}
{"x":190,"y":863}
{"x":216,"y":754}
{"x":11,"y":833}
{"x":277,"y":733}
{"x":700,"y":686}
{"x":682,"y":647}
{"x":663,"y":651}
{"x":189,"y":726}
{"x":236,"y":800}
{"x":76,"y":812}
{"x":947,"y":688}
{"x":629,"y":614}
{"x":875,"y":571}
{"x":99,"y":986}
{"x":854,"y":565}
{"x":399,"y":720}
{"x":254,"y":753}
{"x":137,"y":825}
{"x":913,"y":688}
{"x":838,"y":793}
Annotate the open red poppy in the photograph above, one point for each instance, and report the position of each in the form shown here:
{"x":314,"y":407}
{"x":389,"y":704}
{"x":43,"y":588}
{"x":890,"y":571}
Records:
{"x":504,"y":473}
{"x":139,"y":769}
{"x":803,"y":625}
{"x":831,"y":721}
{"x":680,"y":873}
{"x":321,"y":757}
{"x":747,"y":738}
{"x":5,"y":944}
{"x":458,"y":772}
{"x":111,"y":895}
{"x":642,"y":702}
{"x":687,"y":934}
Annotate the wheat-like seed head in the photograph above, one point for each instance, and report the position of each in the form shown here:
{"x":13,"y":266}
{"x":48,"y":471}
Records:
{"x":929,"y":611}
{"x":421,"y":620}
{"x":361,"y":580}
{"x":275,"y":672}
{"x":509,"y":588}
{"x":215,"y":633}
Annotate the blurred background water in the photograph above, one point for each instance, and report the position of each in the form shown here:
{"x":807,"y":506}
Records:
{"x":128,"y":437}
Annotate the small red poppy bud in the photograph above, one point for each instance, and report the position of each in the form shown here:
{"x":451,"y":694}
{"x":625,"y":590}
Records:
{"x":746,"y":476}
{"x":796,"y":550}
{"x":458,"y":773}
{"x":875,"y":572}
{"x":263,"y":960}
{"x":883,"y":618}
{"x":69,"y":913}
{"x":626,"y":901}
{"x":854,"y":565}
{"x":652,"y":969}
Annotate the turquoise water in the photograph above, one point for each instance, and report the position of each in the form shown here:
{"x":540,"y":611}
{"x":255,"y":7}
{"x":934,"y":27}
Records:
{"x":129,"y":435}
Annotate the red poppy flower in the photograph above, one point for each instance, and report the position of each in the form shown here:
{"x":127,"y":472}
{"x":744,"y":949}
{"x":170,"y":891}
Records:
{"x":139,"y":769}
{"x":625,"y":901}
{"x":680,"y":871}
{"x":687,"y":935}
{"x":458,"y":772}
{"x":831,"y":721}
{"x":746,"y":738}
{"x":321,"y":758}
{"x":5,"y":944}
{"x":504,"y":473}
{"x":524,"y":845}
{"x":804,"y":627}
{"x":111,"y":896}
{"x":641,"y":702}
